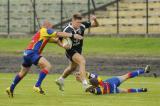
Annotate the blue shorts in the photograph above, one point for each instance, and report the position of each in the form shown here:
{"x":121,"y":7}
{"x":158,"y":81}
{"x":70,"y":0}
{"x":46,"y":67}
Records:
{"x":30,"y":57}
{"x":114,"y":83}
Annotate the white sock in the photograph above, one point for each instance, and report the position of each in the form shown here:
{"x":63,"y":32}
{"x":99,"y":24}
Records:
{"x":61,"y":78}
{"x":84,"y":82}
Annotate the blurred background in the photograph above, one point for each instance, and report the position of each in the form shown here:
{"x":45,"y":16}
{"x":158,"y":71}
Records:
{"x":116,"y":17}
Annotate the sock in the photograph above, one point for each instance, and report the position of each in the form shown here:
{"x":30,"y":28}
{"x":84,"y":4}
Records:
{"x":42,"y":75}
{"x":16,"y":80}
{"x":135,"y":90}
{"x":135,"y":73}
{"x":61,"y":78}
{"x":85,"y":84}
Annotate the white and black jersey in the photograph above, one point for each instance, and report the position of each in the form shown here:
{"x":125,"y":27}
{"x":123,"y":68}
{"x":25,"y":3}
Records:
{"x":76,"y":44}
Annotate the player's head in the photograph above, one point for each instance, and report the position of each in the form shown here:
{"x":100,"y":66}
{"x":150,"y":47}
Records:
{"x":94,"y":82}
{"x":47,"y":24}
{"x":76,"y":20}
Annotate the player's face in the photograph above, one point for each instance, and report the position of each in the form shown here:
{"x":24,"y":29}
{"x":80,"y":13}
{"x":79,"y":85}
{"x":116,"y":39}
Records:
{"x":76,"y":23}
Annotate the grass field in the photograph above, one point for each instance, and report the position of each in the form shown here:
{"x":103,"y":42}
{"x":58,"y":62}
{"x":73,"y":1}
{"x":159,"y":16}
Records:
{"x":94,"y":46}
{"x":73,"y":94}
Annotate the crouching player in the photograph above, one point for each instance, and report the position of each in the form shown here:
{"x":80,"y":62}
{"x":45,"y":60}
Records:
{"x":32,"y":55}
{"x":111,"y":85}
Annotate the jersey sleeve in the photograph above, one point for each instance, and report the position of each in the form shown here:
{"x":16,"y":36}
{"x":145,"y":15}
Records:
{"x":48,"y":32}
{"x":68,"y":30}
{"x":87,"y":24}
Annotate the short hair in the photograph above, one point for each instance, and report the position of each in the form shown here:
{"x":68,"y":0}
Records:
{"x":94,"y":82}
{"x":77,"y":16}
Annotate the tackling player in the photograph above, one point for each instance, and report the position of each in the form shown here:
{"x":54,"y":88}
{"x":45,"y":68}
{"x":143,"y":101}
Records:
{"x":32,"y":55}
{"x":74,"y":54}
{"x":111,"y":85}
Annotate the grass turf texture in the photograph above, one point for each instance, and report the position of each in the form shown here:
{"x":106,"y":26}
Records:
{"x":93,"y":46}
{"x":73,"y":94}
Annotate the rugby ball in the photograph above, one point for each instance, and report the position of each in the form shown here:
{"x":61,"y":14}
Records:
{"x":67,"y":41}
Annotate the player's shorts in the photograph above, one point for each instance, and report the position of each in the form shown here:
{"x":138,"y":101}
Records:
{"x":30,"y":57}
{"x":71,"y":52}
{"x":114,"y":83}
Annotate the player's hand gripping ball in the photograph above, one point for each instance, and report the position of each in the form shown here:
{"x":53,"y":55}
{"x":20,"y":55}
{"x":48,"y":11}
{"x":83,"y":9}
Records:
{"x":67,"y":43}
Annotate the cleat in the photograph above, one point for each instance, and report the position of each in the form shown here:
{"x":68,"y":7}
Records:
{"x":147,"y":69}
{"x":60,"y":84}
{"x":9,"y":92}
{"x":144,"y":89}
{"x":38,"y":90}
{"x":155,"y":75}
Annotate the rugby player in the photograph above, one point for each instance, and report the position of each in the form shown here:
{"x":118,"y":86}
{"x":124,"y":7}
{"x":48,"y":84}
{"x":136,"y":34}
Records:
{"x":32,"y":55}
{"x":74,"y":54}
{"x":111,"y":85}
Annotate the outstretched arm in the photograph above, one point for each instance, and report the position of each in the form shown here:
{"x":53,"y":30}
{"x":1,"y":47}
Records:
{"x":58,"y":42}
{"x":95,"y":90}
{"x":51,"y":33}
{"x":69,"y":35}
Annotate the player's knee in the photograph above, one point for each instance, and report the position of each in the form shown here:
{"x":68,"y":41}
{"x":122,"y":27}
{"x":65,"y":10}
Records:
{"x":21,"y":74}
{"x":49,"y":66}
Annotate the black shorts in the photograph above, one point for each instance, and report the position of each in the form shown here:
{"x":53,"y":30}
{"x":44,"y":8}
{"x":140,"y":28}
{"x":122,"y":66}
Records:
{"x":70,"y":53}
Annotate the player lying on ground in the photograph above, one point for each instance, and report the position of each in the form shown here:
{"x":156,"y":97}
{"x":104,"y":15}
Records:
{"x":111,"y":85}
{"x":74,"y":54}
{"x":32,"y":55}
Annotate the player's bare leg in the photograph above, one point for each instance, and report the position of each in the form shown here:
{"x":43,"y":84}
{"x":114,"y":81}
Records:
{"x":45,"y":67}
{"x":60,"y":81}
{"x":18,"y":78}
{"x":72,"y":67}
{"x":80,"y":60}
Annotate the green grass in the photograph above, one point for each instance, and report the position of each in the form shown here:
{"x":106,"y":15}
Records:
{"x":73,"y":94}
{"x":94,"y":46}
